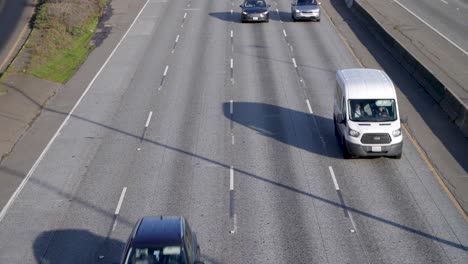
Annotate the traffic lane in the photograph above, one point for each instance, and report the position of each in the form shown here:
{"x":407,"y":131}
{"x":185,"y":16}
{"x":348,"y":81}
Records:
{"x":55,"y":183}
{"x":268,"y":220}
{"x":271,"y":174}
{"x":319,"y":103}
{"x":190,"y":179}
{"x":448,"y":17}
{"x":325,"y":109}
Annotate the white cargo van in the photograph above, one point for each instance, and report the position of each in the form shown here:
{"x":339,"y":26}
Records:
{"x":367,"y":122}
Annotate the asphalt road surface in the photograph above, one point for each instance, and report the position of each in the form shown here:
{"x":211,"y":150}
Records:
{"x":229,"y":125}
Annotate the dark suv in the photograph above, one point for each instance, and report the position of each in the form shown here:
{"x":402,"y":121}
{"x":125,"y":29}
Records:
{"x":157,"y":240}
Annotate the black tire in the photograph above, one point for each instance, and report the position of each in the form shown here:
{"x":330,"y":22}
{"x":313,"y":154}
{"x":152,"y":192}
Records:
{"x":198,"y":254}
{"x":346,"y":154}
{"x":398,"y":156}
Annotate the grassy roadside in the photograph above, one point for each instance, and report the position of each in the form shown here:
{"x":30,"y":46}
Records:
{"x":60,"y":40}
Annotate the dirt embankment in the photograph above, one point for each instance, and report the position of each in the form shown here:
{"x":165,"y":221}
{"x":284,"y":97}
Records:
{"x":59,"y":42}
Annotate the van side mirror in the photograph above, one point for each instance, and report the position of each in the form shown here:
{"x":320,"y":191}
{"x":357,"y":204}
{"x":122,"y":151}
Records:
{"x":240,"y":6}
{"x":404,"y":119}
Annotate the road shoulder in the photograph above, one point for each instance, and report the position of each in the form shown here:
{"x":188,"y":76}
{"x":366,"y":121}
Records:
{"x":41,"y":118}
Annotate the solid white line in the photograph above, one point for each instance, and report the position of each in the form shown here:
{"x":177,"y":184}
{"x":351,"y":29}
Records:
{"x":277,"y":11}
{"x":284,"y":33}
{"x":308,"y":106}
{"x":294,"y":62}
{"x":334,"y":178}
{"x":427,"y":24}
{"x":165,"y":70}
{"x":33,"y":168}
{"x":445,"y":2}
{"x":122,"y":195}
{"x":231,"y":179}
{"x":231,"y":107}
{"x":149,"y":118}
{"x":232,"y":63}
{"x":232,"y":33}
{"x":185,"y":15}
{"x":232,"y":140}
{"x":177,"y":38}
{"x":231,"y":11}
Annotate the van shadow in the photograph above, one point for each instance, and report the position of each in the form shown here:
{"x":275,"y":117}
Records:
{"x":301,"y":130}
{"x":76,"y":246}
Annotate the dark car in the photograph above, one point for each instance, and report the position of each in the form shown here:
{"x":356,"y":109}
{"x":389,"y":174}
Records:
{"x":157,"y":240}
{"x":255,"y":10}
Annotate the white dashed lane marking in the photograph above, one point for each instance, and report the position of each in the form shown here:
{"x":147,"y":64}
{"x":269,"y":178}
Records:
{"x":119,"y":204}
{"x":149,"y":118}
{"x":308,"y":105}
{"x":294,"y":62}
{"x":334,"y":178}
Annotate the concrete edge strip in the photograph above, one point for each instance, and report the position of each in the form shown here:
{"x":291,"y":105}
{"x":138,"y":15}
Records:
{"x":436,"y":174}
{"x":39,"y":159}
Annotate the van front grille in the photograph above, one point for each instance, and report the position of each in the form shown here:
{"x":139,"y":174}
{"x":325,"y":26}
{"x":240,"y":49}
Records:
{"x":376,"y":138}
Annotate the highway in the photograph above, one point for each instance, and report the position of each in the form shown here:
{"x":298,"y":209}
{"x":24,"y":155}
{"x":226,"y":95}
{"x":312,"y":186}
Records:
{"x":447,"y":17}
{"x":229,"y":125}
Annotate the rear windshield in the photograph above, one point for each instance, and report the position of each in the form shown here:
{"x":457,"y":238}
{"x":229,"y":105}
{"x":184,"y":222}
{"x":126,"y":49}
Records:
{"x":306,"y":2}
{"x":372,"y":110}
{"x":155,"y":255}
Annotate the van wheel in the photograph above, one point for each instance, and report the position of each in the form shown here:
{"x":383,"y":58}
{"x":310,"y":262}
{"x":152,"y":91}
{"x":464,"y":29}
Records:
{"x":346,"y":154}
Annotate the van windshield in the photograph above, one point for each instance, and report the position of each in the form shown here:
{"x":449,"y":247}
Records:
{"x":372,"y":110}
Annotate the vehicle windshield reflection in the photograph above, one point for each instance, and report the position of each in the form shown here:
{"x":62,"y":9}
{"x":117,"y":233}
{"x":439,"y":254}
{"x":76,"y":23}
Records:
{"x":372,"y":110}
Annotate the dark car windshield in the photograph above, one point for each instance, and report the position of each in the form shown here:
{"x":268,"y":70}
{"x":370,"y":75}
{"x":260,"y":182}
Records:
{"x":306,"y":2}
{"x":372,"y":110}
{"x":160,"y":255}
{"x":255,"y":3}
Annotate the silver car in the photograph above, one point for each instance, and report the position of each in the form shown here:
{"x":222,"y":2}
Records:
{"x":305,"y":10}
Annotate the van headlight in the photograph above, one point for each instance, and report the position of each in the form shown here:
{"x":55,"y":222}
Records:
{"x":397,"y":133}
{"x":353,"y":133}
{"x":244,"y":13}
{"x":297,"y":11}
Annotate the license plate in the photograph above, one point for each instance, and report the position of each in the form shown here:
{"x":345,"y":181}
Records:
{"x":376,"y":149}
{"x":255,"y":18}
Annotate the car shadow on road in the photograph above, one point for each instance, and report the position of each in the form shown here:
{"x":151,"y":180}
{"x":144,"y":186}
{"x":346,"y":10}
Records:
{"x":76,"y":246}
{"x":294,"y":128}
